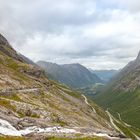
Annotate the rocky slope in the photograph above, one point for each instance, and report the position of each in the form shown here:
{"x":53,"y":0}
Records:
{"x":122,"y":95}
{"x":33,"y":106}
{"x":73,"y":75}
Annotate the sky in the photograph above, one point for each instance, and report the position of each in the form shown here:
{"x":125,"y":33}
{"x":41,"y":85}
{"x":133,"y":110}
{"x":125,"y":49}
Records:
{"x":99,"y":34}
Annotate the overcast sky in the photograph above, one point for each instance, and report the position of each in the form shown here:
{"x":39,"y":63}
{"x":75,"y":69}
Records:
{"x":100,"y":34}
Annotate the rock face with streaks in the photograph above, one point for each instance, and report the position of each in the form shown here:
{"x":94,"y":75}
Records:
{"x":6,"y":48}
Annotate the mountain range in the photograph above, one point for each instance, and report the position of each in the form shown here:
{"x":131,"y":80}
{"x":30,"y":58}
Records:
{"x":73,"y":75}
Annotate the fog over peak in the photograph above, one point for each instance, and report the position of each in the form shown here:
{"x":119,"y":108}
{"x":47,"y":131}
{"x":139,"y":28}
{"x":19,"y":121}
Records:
{"x":96,"y":33}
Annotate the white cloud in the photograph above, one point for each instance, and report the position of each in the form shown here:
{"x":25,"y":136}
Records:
{"x":99,"y":34}
{"x":133,"y":5}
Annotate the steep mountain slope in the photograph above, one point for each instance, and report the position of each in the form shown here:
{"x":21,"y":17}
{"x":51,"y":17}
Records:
{"x":105,"y":75}
{"x":36,"y":108}
{"x":8,"y":50}
{"x":27,"y":60}
{"x":73,"y":75}
{"x":122,"y":95}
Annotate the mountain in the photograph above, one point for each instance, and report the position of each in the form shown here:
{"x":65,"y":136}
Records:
{"x":105,"y":75}
{"x":73,"y":75}
{"x":33,"y":107}
{"x":27,"y":60}
{"x":122,"y":94}
{"x":8,"y":50}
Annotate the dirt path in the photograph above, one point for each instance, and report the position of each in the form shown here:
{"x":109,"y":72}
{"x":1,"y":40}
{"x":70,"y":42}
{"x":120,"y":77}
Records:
{"x":112,"y":122}
{"x":19,"y":90}
{"x":86,"y":101}
{"x":127,"y":125}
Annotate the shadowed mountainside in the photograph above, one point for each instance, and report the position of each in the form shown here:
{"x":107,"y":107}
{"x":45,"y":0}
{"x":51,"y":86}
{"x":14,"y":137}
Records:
{"x":73,"y":75}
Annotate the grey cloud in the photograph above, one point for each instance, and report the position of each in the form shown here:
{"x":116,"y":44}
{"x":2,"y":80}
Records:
{"x":72,"y":31}
{"x":132,"y":5}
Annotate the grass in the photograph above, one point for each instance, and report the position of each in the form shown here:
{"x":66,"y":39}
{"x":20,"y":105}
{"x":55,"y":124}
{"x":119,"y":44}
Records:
{"x":130,"y":132}
{"x":15,"y":97}
{"x":126,"y":130}
{"x":28,"y":113}
{"x":67,"y":90}
{"x":85,"y":138}
{"x":7,"y":104}
{"x":11,"y":138}
{"x":126,"y":103}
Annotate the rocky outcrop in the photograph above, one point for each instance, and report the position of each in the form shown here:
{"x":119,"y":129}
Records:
{"x":6,"y":48}
{"x":3,"y":40}
{"x":32,"y":71}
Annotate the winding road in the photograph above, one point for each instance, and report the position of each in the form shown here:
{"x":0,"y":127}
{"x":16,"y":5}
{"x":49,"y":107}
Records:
{"x":19,"y":90}
{"x":86,"y":101}
{"x":127,"y":125}
{"x":112,"y":122}
{"x":123,"y":123}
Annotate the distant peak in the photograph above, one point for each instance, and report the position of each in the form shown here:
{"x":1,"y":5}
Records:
{"x":73,"y":65}
{"x":3,"y":40}
{"x":138,"y":57}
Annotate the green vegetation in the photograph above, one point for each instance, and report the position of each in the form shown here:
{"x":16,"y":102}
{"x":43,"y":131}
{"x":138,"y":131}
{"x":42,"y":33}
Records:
{"x":66,"y":89}
{"x":73,"y":75}
{"x":122,"y":94}
{"x":11,"y":138}
{"x":85,"y":138}
{"x":15,"y":97}
{"x":91,"y":90}
{"x":126,"y":130}
{"x":7,"y":104}
{"x":125,"y":103}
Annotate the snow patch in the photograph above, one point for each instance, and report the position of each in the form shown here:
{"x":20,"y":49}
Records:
{"x":105,"y":135}
{"x":47,"y":130}
{"x":7,"y":129}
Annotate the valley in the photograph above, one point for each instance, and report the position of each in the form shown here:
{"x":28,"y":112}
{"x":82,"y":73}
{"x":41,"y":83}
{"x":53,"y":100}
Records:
{"x":32,"y":106}
{"x":69,"y":70}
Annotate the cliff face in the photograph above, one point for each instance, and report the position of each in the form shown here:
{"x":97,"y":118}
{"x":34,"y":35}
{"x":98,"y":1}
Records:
{"x":6,"y":48}
{"x":3,"y":40}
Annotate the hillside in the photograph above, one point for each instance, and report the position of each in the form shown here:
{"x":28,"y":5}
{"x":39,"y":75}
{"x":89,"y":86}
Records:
{"x":73,"y":75}
{"x":122,"y":95}
{"x":32,"y":107}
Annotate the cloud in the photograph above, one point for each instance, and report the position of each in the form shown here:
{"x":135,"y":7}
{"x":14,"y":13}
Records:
{"x":99,"y":34}
{"x":133,"y":6}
